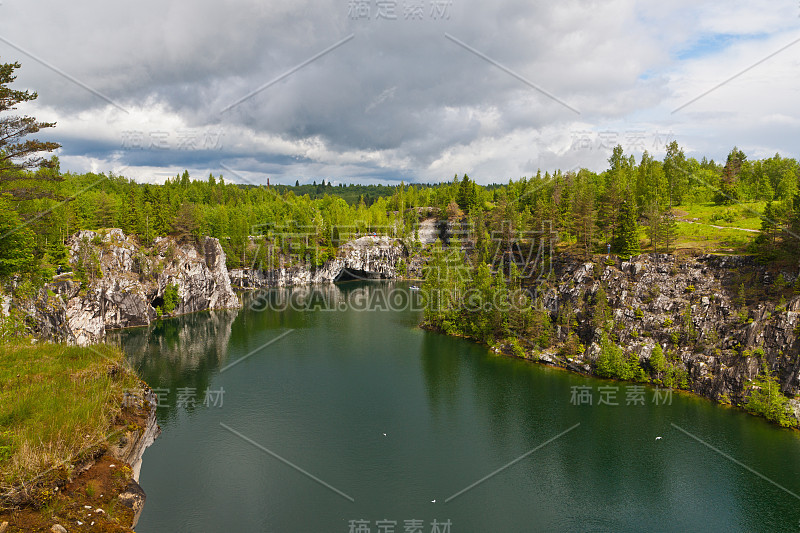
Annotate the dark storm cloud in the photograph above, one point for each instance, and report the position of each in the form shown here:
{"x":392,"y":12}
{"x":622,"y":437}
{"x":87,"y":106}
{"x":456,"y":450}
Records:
{"x":397,"y":99}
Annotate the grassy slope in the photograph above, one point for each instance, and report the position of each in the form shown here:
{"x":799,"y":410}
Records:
{"x":56,"y":401}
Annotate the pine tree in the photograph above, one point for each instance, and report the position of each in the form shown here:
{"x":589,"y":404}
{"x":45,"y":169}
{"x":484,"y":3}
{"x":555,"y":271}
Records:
{"x":766,"y":399}
{"x":669,"y":231}
{"x":675,"y":174}
{"x":658,"y":362}
{"x":18,"y":154}
{"x":129,"y":219}
{"x":585,"y":217}
{"x":185,"y":226}
{"x":765,"y":242}
{"x":626,"y":242}
{"x":16,"y":243}
{"x":601,"y":313}
{"x":791,"y":237}
{"x":655,"y":224}
{"x":729,"y":184}
{"x":466,"y":198}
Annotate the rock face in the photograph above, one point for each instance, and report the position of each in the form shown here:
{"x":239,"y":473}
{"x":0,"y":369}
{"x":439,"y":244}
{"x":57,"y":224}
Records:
{"x":691,"y":310}
{"x":369,"y":257}
{"x":126,"y":284}
{"x":130,"y":449}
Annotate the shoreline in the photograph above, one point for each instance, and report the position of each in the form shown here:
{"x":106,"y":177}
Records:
{"x":574,"y":369}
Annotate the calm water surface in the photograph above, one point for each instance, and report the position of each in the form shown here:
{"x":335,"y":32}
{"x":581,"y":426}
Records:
{"x":318,"y":401}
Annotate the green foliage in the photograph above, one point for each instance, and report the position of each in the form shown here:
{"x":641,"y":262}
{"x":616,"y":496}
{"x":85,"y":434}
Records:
{"x":741,"y":296}
{"x":17,"y":153}
{"x":658,"y":363}
{"x":87,"y":262}
{"x":470,"y":300}
{"x":16,"y":243}
{"x":742,"y":316}
{"x":170,"y":297}
{"x":675,"y":377}
{"x":780,"y":283}
{"x":516,"y":348}
{"x":614,"y":363}
{"x":781,"y":307}
{"x":626,"y":243}
{"x":601,"y":312}
{"x":12,"y":327}
{"x":467,"y":197}
{"x":765,"y":398}
{"x":687,"y":325}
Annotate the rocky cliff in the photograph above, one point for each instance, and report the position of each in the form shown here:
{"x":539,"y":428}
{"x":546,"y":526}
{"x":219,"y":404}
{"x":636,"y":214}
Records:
{"x":130,"y":449}
{"x":370,"y":257}
{"x":712,"y":315}
{"x":117,"y":283}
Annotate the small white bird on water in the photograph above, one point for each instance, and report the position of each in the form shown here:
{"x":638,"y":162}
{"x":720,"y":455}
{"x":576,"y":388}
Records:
{"x":433,"y":501}
{"x":384,"y":434}
{"x":658,"y":438}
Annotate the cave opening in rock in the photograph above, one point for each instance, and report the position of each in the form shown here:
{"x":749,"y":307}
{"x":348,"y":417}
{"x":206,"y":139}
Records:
{"x":347,"y":274}
{"x":158,"y":301}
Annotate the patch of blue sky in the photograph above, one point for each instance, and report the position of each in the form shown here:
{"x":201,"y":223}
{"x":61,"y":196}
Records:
{"x":714,"y":43}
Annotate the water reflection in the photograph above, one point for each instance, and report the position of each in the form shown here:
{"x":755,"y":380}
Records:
{"x":178,"y":354}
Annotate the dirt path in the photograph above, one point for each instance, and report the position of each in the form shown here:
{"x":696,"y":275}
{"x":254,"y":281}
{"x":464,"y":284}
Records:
{"x":721,"y":227}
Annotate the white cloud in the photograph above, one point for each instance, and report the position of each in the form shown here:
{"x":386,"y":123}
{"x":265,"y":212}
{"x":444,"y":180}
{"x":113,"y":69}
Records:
{"x":399,"y":100}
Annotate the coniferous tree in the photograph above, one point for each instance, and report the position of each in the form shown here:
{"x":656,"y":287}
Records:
{"x":729,"y":183}
{"x":769,"y":229}
{"x":184,"y":227}
{"x":654,"y":218}
{"x":16,"y":243}
{"x":675,"y":174}
{"x":626,"y":243}
{"x":669,"y":231}
{"x":18,"y":154}
{"x":766,"y":399}
{"x":791,"y":237}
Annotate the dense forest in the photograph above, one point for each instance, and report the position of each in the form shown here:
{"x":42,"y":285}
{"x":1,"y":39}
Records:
{"x":629,"y":207}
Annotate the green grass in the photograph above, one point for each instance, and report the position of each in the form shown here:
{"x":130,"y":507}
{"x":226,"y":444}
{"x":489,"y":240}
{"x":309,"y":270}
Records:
{"x":743,"y":215}
{"x":712,"y":239}
{"x":56,"y":401}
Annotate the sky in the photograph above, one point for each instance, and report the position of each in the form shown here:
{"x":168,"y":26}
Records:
{"x":379,"y":91}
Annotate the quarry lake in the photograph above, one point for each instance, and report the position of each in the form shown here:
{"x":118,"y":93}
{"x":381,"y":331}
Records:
{"x":335,"y":417}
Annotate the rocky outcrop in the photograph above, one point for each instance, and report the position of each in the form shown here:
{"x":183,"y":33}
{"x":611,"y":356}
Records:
{"x":124,"y":284}
{"x":692,"y":309}
{"x":369,"y":257}
{"x":130,"y":449}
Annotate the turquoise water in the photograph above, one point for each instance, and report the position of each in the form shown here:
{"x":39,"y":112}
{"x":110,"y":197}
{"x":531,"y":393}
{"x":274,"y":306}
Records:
{"x":291,"y":438}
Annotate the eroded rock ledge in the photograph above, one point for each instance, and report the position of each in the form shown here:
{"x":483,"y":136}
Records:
{"x":369,"y":257}
{"x":123,"y":284}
